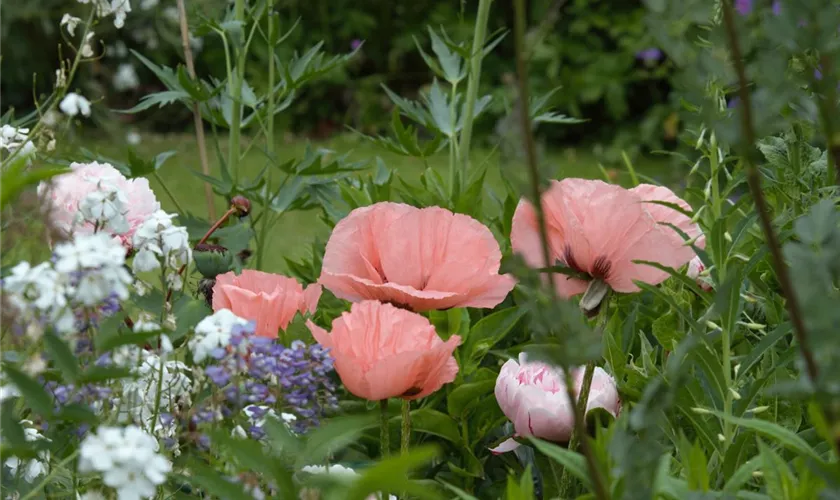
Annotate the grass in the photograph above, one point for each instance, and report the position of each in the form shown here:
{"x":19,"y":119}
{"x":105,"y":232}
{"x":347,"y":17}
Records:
{"x":292,"y":235}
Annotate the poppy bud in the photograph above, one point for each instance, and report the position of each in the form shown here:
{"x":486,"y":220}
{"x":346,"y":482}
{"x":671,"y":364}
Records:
{"x":241,"y":204}
{"x":212,"y":260}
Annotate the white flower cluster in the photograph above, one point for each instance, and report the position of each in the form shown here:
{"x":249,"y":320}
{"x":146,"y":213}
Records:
{"x":104,"y":8}
{"x":126,"y":77}
{"x":213,"y":332}
{"x":128,"y":460}
{"x":13,"y":139}
{"x":105,"y":208}
{"x":340,"y":471}
{"x":87,"y":270}
{"x":140,"y":398}
{"x":157,"y":242}
{"x":34,"y":467}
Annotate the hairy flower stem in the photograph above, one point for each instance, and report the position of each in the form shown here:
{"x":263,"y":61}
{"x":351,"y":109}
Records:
{"x":405,"y":435}
{"x":199,"y":125}
{"x":567,"y":480}
{"x":475,"y":78}
{"x":384,"y":433}
{"x":754,"y":181}
{"x":236,"y":98}
{"x":601,"y":491}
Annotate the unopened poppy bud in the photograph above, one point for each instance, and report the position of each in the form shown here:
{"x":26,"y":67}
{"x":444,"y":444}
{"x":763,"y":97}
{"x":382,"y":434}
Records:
{"x":241,"y":204}
{"x":212,"y":260}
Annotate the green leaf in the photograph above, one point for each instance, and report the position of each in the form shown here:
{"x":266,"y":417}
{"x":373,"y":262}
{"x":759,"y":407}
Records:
{"x":436,"y":423}
{"x":215,"y":484}
{"x":334,"y":435}
{"x":465,"y":396}
{"x":76,"y":412}
{"x":698,"y":473}
{"x":487,"y":333}
{"x":103,"y":373}
{"x":742,"y":475}
{"x":251,"y":456}
{"x":10,"y":427}
{"x":188,"y":311}
{"x":573,"y":462}
{"x":772,"y":430}
{"x":62,"y":356}
{"x":438,"y":106}
{"x":764,"y":345}
{"x":391,"y":475}
{"x":107,"y":343}
{"x":34,"y":394}
{"x":450,"y":62}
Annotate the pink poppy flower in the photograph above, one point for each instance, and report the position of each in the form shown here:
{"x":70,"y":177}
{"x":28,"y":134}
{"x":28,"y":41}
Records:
{"x":599,"y":229}
{"x":418,"y":258}
{"x":382,"y":352}
{"x":65,"y":192}
{"x":533,"y":396}
{"x":271,"y":300}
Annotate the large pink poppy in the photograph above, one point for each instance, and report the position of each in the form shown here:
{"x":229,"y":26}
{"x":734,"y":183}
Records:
{"x":418,"y":258}
{"x":599,"y":229}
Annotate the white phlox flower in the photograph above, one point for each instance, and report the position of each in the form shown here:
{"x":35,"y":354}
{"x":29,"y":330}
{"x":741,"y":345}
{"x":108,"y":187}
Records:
{"x":99,"y":261}
{"x":74,"y":104}
{"x":159,"y":242}
{"x":35,"y":467}
{"x":128,"y":460}
{"x":120,"y":9}
{"x":39,"y":294}
{"x":213,"y":332}
{"x":87,"y":44}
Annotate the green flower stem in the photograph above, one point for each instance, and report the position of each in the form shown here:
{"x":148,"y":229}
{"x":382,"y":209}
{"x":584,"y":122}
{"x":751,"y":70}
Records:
{"x":405,"y":435}
{"x":475,"y":78}
{"x":828,"y":111}
{"x":236,"y":98}
{"x":170,"y":194}
{"x":567,"y":480}
{"x":454,"y":188}
{"x":53,"y":471}
{"x":384,"y":433}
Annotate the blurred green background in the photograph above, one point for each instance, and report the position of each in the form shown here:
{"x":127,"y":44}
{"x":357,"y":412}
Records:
{"x":597,"y":52}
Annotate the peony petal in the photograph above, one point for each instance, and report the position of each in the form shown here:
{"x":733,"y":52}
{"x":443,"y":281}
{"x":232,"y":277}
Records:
{"x":505,"y":446}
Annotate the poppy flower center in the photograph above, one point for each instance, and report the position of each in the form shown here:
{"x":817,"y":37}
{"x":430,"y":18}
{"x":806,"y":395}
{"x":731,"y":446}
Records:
{"x":600,"y":268}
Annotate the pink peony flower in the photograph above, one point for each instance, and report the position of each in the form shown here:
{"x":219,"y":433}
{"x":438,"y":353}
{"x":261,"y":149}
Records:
{"x":419,"y":258}
{"x":382,"y":352}
{"x":65,"y":192}
{"x":271,"y":300}
{"x":600,"y":229}
{"x":533,"y":396}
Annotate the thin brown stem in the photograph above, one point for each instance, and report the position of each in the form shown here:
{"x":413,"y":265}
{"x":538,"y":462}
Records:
{"x":828,"y":110}
{"x":199,"y":124}
{"x":754,"y":181}
{"x":601,"y":491}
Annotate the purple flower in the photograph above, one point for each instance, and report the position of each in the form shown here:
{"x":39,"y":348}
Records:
{"x":733,"y":103}
{"x":818,"y":73}
{"x":744,"y":7}
{"x":218,"y":375}
{"x":777,"y":8}
{"x":355,"y":44}
{"x":649,"y":55}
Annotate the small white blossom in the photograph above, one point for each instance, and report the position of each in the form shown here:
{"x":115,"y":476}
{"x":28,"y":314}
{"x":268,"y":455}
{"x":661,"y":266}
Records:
{"x":39,"y":293}
{"x":128,"y":460}
{"x":69,"y":23}
{"x":159,"y":242}
{"x":126,"y":77}
{"x":145,"y":324}
{"x":90,"y":495}
{"x":120,"y":9}
{"x":100,"y":259}
{"x":337,"y":469}
{"x":60,"y":81}
{"x":213,"y":332}
{"x":13,"y":139}
{"x":171,"y":14}
{"x":149,"y":4}
{"x":32,"y":468}
{"x":87,"y":44}
{"x":140,"y":396}
{"x":133,"y":138}
{"x":74,"y":104}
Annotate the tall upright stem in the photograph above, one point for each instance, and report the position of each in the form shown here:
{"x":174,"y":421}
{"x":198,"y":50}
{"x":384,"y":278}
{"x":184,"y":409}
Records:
{"x":405,"y":435}
{"x":199,"y":124}
{"x":828,"y":111}
{"x":384,"y":433}
{"x":236,"y":97}
{"x":754,"y":182}
{"x":521,"y":70}
{"x":475,"y":78}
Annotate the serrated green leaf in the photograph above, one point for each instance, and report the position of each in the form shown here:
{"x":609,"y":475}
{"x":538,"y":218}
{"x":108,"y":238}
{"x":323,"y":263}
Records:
{"x":436,"y":423}
{"x":487,"y":333}
{"x":332,"y":436}
{"x":62,"y":356}
{"x":391,"y":475}
{"x":465,"y":396}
